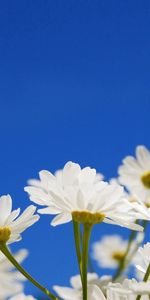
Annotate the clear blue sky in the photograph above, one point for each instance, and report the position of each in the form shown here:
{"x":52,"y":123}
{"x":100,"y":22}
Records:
{"x":74,"y":85}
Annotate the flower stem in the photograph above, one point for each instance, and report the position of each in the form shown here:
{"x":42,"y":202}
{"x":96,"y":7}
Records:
{"x":145,"y":279}
{"x":7,"y":253}
{"x":85,"y":247}
{"x":77,"y":238}
{"x":124,"y":262}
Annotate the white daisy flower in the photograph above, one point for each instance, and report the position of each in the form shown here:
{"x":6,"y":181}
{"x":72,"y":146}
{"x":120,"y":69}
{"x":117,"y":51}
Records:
{"x":77,"y":194}
{"x":22,"y":297}
{"x":143,"y":260}
{"x":11,"y":226}
{"x":10,"y":279}
{"x":75,"y":291}
{"x":128,"y":290}
{"x":135,"y":174}
{"x":109,"y":257}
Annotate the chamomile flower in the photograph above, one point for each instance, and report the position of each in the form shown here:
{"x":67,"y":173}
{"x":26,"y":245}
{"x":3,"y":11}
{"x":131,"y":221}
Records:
{"x":134,"y":173}
{"x":10,"y":279}
{"x":78,"y":195}
{"x":22,"y":297}
{"x":75,"y":291}
{"x":11,"y":224}
{"x":109,"y":256}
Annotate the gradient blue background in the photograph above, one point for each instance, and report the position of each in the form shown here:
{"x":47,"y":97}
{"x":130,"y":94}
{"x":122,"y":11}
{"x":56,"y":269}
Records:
{"x":74,"y":85}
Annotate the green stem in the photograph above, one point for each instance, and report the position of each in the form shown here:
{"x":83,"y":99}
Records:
{"x":145,"y":279}
{"x":123,"y":262}
{"x":7,"y":253}
{"x":85,"y":247}
{"x":77,"y":237}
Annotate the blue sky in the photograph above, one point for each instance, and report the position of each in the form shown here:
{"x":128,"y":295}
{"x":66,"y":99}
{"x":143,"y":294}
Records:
{"x":74,"y":79}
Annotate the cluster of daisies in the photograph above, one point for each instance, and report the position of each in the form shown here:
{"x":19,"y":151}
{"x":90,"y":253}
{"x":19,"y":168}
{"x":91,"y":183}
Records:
{"x":83,"y":197}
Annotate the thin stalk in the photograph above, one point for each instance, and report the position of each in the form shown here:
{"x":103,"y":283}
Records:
{"x":123,"y":262}
{"x":90,"y":264}
{"x":145,"y":279}
{"x":77,"y":237}
{"x":7,"y":253}
{"x":85,"y":248}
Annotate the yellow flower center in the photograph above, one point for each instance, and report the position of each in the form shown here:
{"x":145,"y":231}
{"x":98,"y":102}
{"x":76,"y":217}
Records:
{"x":5,"y":233}
{"x":118,"y":255}
{"x":87,"y":217}
{"x":146,"y":179}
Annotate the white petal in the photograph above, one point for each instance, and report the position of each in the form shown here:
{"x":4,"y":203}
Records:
{"x":13,"y":215}
{"x":75,"y":282}
{"x":46,"y":176}
{"x":24,"y":221}
{"x":143,"y":156}
{"x":87,"y":175}
{"x":50,"y":210}
{"x":61,"y":219}
{"x":70,"y":173}
{"x":94,"y":293}
{"x":5,"y":208}
{"x":67,"y":293}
